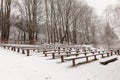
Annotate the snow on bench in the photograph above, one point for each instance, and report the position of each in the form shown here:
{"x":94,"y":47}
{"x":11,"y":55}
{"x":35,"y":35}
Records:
{"x":63,"y":57}
{"x":27,"y":49}
{"x":73,"y":55}
{"x":86,"y":56}
{"x":59,"y":53}
{"x":105,"y":61}
{"x":64,"y":51}
{"x":24,"y":48}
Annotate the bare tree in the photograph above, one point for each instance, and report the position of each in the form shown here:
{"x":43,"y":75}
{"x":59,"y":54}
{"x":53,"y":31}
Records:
{"x":5,"y":13}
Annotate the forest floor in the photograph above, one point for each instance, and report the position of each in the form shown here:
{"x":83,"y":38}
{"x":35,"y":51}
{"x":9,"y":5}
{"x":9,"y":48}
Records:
{"x":16,"y":66}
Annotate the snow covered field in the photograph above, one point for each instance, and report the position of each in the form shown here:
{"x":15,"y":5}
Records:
{"x":16,"y":66}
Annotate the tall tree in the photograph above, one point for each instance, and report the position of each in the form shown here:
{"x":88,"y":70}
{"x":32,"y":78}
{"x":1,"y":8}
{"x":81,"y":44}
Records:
{"x":6,"y":10}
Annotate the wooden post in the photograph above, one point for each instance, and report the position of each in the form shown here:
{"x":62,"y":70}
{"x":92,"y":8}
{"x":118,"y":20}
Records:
{"x":99,"y":52}
{"x":92,"y":52}
{"x":33,"y":50}
{"x":70,"y":50}
{"x":107,"y":54}
{"x":67,"y":52}
{"x":95,"y":57}
{"x":23,"y":52}
{"x":87,"y":59}
{"x":18,"y":50}
{"x":4,"y":47}
{"x":45,"y":54}
{"x":58,"y":48}
{"x":111,"y":52}
{"x":77,"y":50}
{"x":118,"y":52}
{"x":102,"y":56}
{"x":73,"y":61}
{"x":76,"y":55}
{"x":53,"y":55}
{"x":85,"y":53}
{"x":11,"y":48}
{"x":28,"y":52}
{"x":14,"y":49}
{"x":67,"y":55}
{"x":62,"y":58}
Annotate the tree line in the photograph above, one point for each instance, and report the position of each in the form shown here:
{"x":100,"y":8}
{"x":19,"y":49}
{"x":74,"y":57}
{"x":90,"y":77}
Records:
{"x":61,"y":21}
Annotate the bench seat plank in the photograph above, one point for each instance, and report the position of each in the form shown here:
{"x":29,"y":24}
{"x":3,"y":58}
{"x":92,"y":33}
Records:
{"x":108,"y":60}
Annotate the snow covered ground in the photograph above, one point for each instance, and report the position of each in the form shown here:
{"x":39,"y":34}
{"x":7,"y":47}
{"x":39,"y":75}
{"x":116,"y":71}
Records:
{"x":16,"y":66}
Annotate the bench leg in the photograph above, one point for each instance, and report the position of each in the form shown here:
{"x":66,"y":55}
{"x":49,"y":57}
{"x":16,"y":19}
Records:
{"x":18,"y":50}
{"x":67,"y":53}
{"x":111,"y":53}
{"x":23,"y":52}
{"x":38,"y":51}
{"x":62,"y":58}
{"x":44,"y":52}
{"x":95,"y":57}
{"x":73,"y":62}
{"x":99,"y":52}
{"x":107,"y":54}
{"x":14,"y":49}
{"x":102,"y":56}
{"x":93,"y":53}
{"x":53,"y":55}
{"x":11,"y":48}
{"x":4,"y":47}
{"x":118,"y":52}
{"x":28,"y":52}
{"x":77,"y":51}
{"x":115,"y":53}
{"x":76,"y":55}
{"x":87,"y":59}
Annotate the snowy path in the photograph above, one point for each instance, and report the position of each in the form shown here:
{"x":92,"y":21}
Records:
{"x":16,"y":66}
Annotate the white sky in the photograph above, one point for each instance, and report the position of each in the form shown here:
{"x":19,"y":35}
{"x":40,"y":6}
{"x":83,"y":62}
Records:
{"x":100,"y":5}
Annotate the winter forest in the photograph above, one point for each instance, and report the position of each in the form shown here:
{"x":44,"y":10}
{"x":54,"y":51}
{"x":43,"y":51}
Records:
{"x":58,"y":21}
{"x":59,"y":40}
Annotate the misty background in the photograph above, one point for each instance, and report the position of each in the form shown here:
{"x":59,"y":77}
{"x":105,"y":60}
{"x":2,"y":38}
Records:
{"x":60,"y":22}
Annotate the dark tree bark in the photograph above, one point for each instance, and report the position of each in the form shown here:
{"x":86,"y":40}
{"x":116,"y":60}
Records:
{"x":6,"y":21}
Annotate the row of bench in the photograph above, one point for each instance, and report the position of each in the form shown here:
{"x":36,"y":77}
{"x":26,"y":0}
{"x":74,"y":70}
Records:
{"x":64,"y":53}
{"x":26,"y":48}
{"x":77,"y":55}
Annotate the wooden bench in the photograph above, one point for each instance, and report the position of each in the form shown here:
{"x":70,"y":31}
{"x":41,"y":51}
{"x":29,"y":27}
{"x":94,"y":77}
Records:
{"x":108,"y":60}
{"x":62,"y":56}
{"x":23,"y":48}
{"x":28,"y":50}
{"x":53,"y":53}
{"x":87,"y":56}
{"x":67,"y":55}
{"x":49,"y":50}
{"x":76,"y":54}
